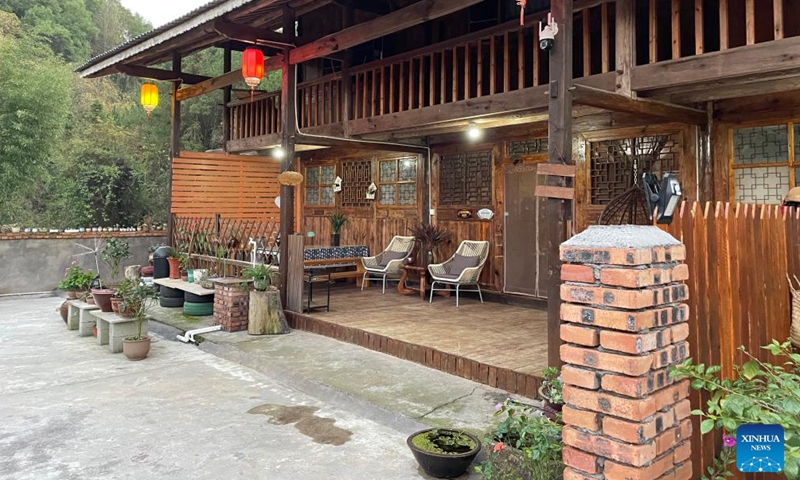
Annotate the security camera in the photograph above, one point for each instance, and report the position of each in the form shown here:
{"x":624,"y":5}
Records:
{"x":547,"y":34}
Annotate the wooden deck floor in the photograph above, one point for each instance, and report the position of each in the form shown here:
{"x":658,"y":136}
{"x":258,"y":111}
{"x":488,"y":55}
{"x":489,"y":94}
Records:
{"x":499,"y":345}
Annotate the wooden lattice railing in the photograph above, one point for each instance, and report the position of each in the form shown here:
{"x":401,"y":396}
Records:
{"x":262,"y":116}
{"x":223,"y":244}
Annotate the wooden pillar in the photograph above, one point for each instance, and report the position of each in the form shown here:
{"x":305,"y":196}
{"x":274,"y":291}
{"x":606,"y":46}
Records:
{"x":558,"y":212}
{"x":625,"y":45}
{"x":226,"y":99}
{"x":347,"y":81}
{"x":288,"y":133}
{"x":174,"y":137}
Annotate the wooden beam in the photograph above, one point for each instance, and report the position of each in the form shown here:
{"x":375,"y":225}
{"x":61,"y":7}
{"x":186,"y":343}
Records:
{"x":777,"y":19}
{"x":159,"y":74}
{"x":174,"y":139}
{"x":725,"y":89}
{"x":558,"y":212}
{"x":248,"y":34}
{"x":270,"y":65}
{"x":762,"y":58}
{"x":625,"y":49}
{"x":370,"y":6}
{"x":620,"y":103}
{"x":396,"y":21}
{"x":352,"y":143}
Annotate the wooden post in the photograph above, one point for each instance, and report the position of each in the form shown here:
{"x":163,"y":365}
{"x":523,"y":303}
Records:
{"x":294,"y":268}
{"x":558,"y":212}
{"x":625,"y":45}
{"x":174,"y":137}
{"x":226,"y":99}
{"x":288,"y":133}
{"x":347,"y":81}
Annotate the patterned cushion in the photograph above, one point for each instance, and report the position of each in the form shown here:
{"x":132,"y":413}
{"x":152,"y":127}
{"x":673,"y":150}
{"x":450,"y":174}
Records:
{"x":460,"y":262}
{"x":389,"y":255}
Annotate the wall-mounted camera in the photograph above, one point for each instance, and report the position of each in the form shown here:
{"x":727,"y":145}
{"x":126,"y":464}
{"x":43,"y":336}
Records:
{"x":547,"y":34}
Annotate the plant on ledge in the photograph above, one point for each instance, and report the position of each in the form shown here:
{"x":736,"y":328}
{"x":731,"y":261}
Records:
{"x":759,"y":393}
{"x":261,"y":276}
{"x":337,"y":220}
{"x":526,"y":445}
{"x":76,"y":279}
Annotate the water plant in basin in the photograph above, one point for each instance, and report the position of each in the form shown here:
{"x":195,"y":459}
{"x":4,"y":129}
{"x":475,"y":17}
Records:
{"x":444,"y":452}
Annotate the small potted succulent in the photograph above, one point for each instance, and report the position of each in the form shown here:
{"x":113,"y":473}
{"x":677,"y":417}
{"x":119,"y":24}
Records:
{"x":261,"y":276}
{"x":138,"y":300}
{"x":337,"y":219}
{"x":551,"y":392}
{"x":442,"y":452}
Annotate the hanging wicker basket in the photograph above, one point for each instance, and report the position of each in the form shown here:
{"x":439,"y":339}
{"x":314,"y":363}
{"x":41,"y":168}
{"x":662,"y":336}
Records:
{"x":794,"y":331}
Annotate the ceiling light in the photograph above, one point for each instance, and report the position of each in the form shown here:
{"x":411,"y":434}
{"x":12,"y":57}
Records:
{"x":474,"y":132}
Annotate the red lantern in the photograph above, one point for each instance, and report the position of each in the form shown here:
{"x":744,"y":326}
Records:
{"x":252,"y":68}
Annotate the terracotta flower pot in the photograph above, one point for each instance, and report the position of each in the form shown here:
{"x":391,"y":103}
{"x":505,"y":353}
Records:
{"x":90,"y":299}
{"x":64,"y":310}
{"x":72,"y":294}
{"x":174,"y":268}
{"x":102,"y":297}
{"x":115,"y":302}
{"x":136,"y":349}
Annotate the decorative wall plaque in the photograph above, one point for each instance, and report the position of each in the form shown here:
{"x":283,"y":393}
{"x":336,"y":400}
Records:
{"x":464,"y":214}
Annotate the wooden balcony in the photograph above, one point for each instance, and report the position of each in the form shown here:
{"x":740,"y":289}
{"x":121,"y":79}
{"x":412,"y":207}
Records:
{"x":499,"y":76}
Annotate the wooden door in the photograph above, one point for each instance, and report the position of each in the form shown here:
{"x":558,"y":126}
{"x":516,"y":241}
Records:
{"x":525,"y":257}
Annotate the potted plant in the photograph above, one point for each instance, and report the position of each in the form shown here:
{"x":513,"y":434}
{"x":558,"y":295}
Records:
{"x":76,"y":280}
{"x":525,"y":445}
{"x":337,"y":220}
{"x":429,"y":238}
{"x":139,"y":300}
{"x":184,"y":261}
{"x":115,"y":251}
{"x":122,"y":293}
{"x":261,"y":275}
{"x":551,"y":392}
{"x":442,"y":452}
{"x":174,"y":260}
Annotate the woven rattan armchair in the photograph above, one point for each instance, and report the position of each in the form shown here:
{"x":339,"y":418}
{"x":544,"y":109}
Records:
{"x":389,"y":262}
{"x":462,"y":269}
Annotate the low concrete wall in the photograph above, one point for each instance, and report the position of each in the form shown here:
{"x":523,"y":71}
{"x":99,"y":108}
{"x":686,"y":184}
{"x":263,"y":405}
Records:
{"x":36,"y":263}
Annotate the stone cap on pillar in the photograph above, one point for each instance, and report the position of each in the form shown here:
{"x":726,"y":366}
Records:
{"x":628,"y":245}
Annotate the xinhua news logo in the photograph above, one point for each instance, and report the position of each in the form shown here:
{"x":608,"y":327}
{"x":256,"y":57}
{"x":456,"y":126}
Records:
{"x":759,"y":448}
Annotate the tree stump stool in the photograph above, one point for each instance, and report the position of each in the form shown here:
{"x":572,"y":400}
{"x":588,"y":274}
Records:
{"x":266,"y":313}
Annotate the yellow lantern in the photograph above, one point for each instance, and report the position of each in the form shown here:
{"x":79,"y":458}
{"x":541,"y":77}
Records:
{"x":149,"y":97}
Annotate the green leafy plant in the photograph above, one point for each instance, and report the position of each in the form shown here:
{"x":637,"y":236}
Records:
{"x":139,"y":298}
{"x":125,"y":287}
{"x":552,"y":386}
{"x":260,"y":274}
{"x":337,"y":220}
{"x":759,"y":393}
{"x":114,"y":253}
{"x":185,"y":261}
{"x":429,"y":236}
{"x":527,"y":445}
{"x":444,"y":442}
{"x":76,"y":279}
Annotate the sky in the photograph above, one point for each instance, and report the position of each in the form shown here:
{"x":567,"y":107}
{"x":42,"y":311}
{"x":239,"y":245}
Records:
{"x":159,"y":12}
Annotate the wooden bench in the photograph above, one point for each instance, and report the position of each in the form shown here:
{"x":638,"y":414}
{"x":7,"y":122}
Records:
{"x":113,"y":328}
{"x":78,"y":314}
{"x":178,"y":284}
{"x":357,"y":274}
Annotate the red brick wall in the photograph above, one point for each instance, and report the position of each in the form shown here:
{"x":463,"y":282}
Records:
{"x":231,"y":304}
{"x":623,"y":325}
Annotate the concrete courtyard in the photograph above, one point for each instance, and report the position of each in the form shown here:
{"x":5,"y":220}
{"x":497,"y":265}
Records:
{"x":72,"y":410}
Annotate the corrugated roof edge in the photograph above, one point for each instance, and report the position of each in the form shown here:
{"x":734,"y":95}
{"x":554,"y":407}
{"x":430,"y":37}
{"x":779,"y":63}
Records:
{"x":159,"y":31}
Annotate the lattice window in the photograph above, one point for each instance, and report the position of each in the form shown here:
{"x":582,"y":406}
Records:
{"x":397,"y":184}
{"x":527,"y":147}
{"x":466,"y":179}
{"x":319,"y":185}
{"x":356,"y":178}
{"x":766,"y":162}
{"x":617,"y":164}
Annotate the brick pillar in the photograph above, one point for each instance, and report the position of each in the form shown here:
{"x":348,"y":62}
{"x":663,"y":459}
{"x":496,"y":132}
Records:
{"x":231,"y":304}
{"x":623,"y":325}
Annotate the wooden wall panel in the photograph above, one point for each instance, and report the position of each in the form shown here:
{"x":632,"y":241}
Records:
{"x":235,"y":186}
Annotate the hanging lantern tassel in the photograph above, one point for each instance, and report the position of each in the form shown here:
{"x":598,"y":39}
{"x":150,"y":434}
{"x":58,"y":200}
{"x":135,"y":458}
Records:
{"x":521,"y":4}
{"x":149,"y":98}
{"x":252,"y":68}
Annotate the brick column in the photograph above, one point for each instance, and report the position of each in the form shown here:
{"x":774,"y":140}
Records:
{"x":623,"y":325}
{"x":231,"y":304}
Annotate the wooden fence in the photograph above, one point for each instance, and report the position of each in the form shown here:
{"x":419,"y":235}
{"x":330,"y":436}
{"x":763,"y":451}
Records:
{"x":739,"y":257}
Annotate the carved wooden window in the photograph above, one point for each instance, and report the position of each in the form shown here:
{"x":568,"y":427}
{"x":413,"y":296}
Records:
{"x":319,"y":185}
{"x":356,"y":178}
{"x":766,"y":162}
{"x":397,"y":182}
{"x":618,"y":165}
{"x":466,"y":179}
{"x":523,"y":148}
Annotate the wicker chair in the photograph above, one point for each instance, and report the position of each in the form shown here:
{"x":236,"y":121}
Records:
{"x":389,"y":262}
{"x":462,"y":269}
